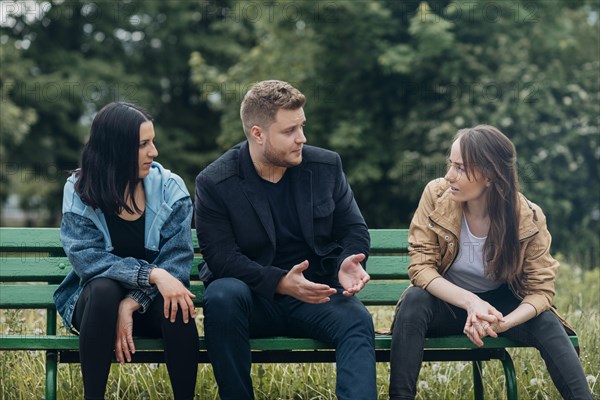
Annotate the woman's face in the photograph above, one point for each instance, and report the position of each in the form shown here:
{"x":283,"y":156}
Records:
{"x":462,"y":188}
{"x":147,"y":150}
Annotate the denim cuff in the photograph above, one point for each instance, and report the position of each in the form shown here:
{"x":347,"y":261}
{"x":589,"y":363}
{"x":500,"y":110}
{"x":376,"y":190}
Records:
{"x":141,"y":298}
{"x":143,"y":278}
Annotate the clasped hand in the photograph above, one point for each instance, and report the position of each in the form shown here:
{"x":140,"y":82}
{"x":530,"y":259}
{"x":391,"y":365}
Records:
{"x":352,"y":277}
{"x":482,"y":320}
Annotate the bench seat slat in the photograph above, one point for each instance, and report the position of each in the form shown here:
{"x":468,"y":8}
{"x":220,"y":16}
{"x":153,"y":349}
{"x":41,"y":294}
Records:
{"x":71,"y":342}
{"x":40,"y":296}
{"x":38,"y":268}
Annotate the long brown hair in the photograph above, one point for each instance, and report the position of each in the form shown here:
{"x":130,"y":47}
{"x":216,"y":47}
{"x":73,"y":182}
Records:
{"x":486,"y":150}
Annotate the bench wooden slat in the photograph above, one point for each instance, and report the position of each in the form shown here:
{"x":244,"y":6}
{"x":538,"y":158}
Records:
{"x":71,"y":342}
{"x":388,"y":267}
{"x":34,"y":269}
{"x":48,"y":240}
{"x":54,"y":269}
{"x":27,"y":296}
{"x":40,"y":296}
{"x":21,"y":240}
{"x":389,"y":240}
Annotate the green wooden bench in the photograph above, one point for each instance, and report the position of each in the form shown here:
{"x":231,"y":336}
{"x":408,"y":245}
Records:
{"x":32,"y":264}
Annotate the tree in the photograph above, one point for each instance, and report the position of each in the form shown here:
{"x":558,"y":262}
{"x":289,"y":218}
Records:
{"x":390,"y":83}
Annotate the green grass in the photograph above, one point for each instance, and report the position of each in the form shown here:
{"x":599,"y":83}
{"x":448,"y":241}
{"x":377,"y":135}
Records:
{"x":578,"y":299}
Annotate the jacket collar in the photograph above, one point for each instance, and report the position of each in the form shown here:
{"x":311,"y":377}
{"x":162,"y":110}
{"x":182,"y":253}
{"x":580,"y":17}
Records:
{"x":448,"y":213}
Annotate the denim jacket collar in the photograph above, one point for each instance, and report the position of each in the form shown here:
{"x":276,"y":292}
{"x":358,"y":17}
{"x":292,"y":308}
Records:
{"x":158,"y":204}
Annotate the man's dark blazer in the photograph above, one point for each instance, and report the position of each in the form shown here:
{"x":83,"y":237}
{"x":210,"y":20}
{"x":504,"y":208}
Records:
{"x":235,"y":227}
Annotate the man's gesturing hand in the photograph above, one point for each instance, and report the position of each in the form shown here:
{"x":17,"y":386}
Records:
{"x":352,"y":275}
{"x":296,"y":285}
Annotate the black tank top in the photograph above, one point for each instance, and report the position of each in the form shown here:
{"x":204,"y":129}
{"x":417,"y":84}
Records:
{"x":127,"y":236}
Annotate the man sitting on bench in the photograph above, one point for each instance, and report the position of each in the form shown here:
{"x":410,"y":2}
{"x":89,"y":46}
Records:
{"x":284,"y":245}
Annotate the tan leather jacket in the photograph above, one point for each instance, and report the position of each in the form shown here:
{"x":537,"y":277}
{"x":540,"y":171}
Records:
{"x":434,"y":243}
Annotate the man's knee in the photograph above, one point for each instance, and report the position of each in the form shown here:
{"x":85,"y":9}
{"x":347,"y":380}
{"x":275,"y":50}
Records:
{"x":227,"y":294}
{"x":357,"y":320}
{"x":365,"y":320}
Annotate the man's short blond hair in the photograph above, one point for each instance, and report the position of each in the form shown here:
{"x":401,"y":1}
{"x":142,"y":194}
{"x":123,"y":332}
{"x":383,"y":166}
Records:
{"x":264,"y":99}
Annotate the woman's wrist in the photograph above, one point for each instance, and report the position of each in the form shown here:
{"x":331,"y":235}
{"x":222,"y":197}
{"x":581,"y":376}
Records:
{"x":469,"y":300}
{"x":155,"y":273}
{"x":130,"y":304}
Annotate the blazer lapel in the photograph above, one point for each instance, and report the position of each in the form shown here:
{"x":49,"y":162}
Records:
{"x":250,"y":185}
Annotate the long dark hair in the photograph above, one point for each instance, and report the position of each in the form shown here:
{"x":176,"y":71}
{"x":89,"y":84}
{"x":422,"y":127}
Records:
{"x":109,"y":163}
{"x":487,"y":150}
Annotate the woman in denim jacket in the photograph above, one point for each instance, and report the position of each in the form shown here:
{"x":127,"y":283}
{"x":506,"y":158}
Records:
{"x":480,"y":264}
{"x":126,"y":230}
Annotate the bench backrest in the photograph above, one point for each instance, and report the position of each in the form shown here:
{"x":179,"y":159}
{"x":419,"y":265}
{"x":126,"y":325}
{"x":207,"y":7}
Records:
{"x":35,"y":255}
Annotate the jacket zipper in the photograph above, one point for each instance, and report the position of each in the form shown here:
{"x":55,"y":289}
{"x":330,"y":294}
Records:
{"x":452,"y":233}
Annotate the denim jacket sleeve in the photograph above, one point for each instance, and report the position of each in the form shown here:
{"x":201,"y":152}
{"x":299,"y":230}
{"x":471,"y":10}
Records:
{"x":176,"y":251}
{"x":84,"y":245}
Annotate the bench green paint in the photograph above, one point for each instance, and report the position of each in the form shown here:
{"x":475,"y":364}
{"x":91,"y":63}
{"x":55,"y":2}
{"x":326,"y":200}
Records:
{"x":32,"y":264}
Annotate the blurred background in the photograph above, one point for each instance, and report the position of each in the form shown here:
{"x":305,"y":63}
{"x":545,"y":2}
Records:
{"x":388,"y":84}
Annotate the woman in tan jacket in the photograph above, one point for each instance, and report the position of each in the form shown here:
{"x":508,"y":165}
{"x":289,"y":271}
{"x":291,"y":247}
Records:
{"x":480,"y":264}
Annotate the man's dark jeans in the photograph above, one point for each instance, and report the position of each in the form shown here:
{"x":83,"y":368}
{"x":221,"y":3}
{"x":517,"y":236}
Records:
{"x":233,"y":315}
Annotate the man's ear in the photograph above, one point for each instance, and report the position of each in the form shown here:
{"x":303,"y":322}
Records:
{"x":257,"y":134}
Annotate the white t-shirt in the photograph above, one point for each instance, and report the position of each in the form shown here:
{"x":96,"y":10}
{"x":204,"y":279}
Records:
{"x":468,"y":268}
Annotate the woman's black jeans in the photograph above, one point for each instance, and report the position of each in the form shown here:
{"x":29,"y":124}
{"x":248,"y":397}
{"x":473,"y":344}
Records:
{"x":421,"y":315}
{"x":96,"y":319}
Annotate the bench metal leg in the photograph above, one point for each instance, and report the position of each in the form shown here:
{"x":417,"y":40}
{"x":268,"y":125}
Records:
{"x":51,"y":372}
{"x":477,"y":383}
{"x":510,"y":377}
{"x":51,"y":357}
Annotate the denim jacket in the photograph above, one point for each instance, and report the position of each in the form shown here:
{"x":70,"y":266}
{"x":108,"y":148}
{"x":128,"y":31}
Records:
{"x":87,"y":243}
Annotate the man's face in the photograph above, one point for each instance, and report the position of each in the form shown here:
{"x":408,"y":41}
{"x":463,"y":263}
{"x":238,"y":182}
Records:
{"x":284,"y":139}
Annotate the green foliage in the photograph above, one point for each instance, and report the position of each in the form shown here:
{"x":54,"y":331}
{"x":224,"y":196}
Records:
{"x":388,"y":84}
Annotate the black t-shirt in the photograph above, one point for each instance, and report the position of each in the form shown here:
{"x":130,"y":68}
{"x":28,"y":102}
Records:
{"x":127,"y":236}
{"x":291,"y":248}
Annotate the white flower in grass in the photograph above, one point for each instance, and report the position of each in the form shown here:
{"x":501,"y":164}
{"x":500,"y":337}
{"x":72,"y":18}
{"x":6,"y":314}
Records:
{"x":577,"y":313}
{"x":536,"y":382}
{"x":460,"y":367}
{"x":436,"y":367}
{"x":591,"y":379}
{"x":442,"y":379}
{"x":423,"y":385}
{"x":38,"y":331}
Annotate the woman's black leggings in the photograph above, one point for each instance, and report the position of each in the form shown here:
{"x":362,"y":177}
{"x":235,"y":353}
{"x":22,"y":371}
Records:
{"x":95,"y":318}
